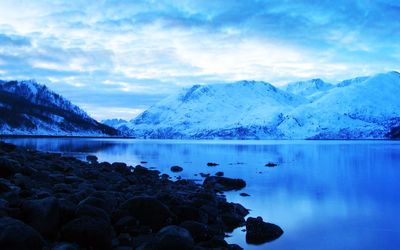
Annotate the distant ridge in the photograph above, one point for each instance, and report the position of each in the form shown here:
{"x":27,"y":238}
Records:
{"x":29,"y":108}
{"x":359,"y":108}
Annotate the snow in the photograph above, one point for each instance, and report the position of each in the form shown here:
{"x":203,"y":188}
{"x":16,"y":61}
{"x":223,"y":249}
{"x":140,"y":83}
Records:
{"x":365,"y":107}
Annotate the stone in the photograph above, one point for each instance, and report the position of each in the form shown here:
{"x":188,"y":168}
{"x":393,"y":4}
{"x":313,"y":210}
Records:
{"x":91,"y":211}
{"x":184,"y":213}
{"x":176,"y":169}
{"x":219,"y":173}
{"x":88,"y":232}
{"x":212,"y":164}
{"x":149,"y":211}
{"x":95,"y":202}
{"x":8,"y":167}
{"x":91,"y":158}
{"x":244,"y":194}
{"x":271,"y":164}
{"x":14,"y":234}
{"x":43,"y":215}
{"x":259,"y":232}
{"x":224,"y":183}
{"x":173,"y":237}
{"x":65,"y":246}
{"x":197,"y":230}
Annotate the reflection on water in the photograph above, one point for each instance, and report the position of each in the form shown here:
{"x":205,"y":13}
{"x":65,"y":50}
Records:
{"x":324,"y":194}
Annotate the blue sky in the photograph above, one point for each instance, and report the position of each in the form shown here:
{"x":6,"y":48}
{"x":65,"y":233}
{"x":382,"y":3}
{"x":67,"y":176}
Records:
{"x":116,"y":58}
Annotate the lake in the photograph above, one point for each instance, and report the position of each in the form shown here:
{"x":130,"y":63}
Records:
{"x":324,"y":194}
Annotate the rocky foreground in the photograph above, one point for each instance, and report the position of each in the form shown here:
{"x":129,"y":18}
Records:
{"x":52,"y":202}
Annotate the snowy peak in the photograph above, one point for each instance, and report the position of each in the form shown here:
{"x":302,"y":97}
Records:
{"x":29,"y":108}
{"x":307,"y":88}
{"x":114,"y":122}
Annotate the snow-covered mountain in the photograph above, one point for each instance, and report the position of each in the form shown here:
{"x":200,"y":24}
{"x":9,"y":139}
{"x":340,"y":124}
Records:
{"x":114,"y":122}
{"x":29,"y":108}
{"x":360,"y":108}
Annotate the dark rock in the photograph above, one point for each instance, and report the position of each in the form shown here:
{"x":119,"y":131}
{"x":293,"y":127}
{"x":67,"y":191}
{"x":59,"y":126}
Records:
{"x":126,"y":224}
{"x":199,"y":231}
{"x":244,"y":194}
{"x":215,"y":242}
{"x":232,"y":221}
{"x":143,"y":162}
{"x":259,"y":232}
{"x":184,"y":213}
{"x":173,"y":237}
{"x":91,"y":211}
{"x":95,"y":202}
{"x":219,"y":173}
{"x":176,"y":169}
{"x":8,"y":167}
{"x":204,"y":175}
{"x":91,"y":158}
{"x":14,"y":234}
{"x":88,"y":232}
{"x":7,"y":147}
{"x":224,"y":183}
{"x":43,"y":215}
{"x":271,"y":164}
{"x":149,"y":211}
{"x":121,"y":167}
{"x":212,"y":164}
{"x":65,"y":246}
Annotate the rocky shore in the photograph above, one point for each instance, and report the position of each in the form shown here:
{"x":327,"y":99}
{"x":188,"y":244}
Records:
{"x":48,"y":201}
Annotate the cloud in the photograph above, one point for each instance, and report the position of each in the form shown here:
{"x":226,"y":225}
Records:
{"x":125,"y":48}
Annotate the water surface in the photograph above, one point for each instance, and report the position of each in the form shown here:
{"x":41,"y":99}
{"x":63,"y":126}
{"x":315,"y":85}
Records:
{"x":324,"y":194}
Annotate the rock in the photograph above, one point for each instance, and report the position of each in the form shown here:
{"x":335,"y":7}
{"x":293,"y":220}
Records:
{"x":143,"y":162}
{"x":259,"y":232}
{"x":212,"y":164}
{"x":204,"y":175}
{"x":121,"y":167}
{"x":14,"y":234}
{"x":126,"y":224}
{"x":224,"y":183}
{"x":91,"y":158}
{"x":149,"y":211}
{"x":184,"y":213}
{"x":232,"y":221}
{"x":219,"y":173}
{"x":95,"y":202}
{"x":7,"y":147}
{"x":244,"y":194}
{"x":88,"y":232}
{"x":91,"y":211}
{"x":65,"y":246}
{"x":43,"y":215}
{"x":173,"y":237}
{"x":271,"y":164}
{"x":197,"y":230}
{"x":8,"y":167}
{"x":176,"y":169}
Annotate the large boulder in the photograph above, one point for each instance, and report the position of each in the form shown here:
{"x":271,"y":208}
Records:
{"x":224,"y":183}
{"x":197,"y":230}
{"x":43,"y":215}
{"x":88,"y":232}
{"x":259,"y":232}
{"x":149,"y":211}
{"x":173,"y":237}
{"x":14,"y":234}
{"x":8,"y":167}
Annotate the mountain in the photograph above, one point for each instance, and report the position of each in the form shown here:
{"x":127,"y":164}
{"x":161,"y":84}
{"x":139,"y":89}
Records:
{"x":29,"y":108}
{"x":114,"y":122}
{"x":312,"y":89}
{"x":359,"y":108}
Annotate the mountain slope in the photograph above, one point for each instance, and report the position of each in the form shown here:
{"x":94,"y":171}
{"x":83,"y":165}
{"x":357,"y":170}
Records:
{"x":238,"y":110}
{"x":360,"y":108}
{"x":28,"y":108}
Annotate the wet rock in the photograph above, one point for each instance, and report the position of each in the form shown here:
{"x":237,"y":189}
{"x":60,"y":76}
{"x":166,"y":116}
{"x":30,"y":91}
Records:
{"x":219,"y":173}
{"x":184,"y":213}
{"x":91,"y":158}
{"x":8,"y":167}
{"x":271,"y":164}
{"x":204,"y":175}
{"x":149,"y":211}
{"x":65,"y":246}
{"x":95,"y":202}
{"x":197,"y":230}
{"x":43,"y":215}
{"x":88,"y":232}
{"x":91,"y":211}
{"x":126,"y":224}
{"x":212,"y":164}
{"x":224,"y":183}
{"x":173,"y":237}
{"x":176,"y":169}
{"x":244,"y":194}
{"x":14,"y":234}
{"x":259,"y":232}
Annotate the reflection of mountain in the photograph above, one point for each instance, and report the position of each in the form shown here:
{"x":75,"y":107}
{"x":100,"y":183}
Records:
{"x":28,"y":108}
{"x":359,"y":108}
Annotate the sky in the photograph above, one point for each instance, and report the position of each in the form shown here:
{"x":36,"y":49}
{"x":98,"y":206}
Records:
{"x":115,"y":58}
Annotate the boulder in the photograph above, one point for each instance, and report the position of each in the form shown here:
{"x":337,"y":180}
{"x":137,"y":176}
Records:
{"x":91,"y":211}
{"x":212,"y":164}
{"x":259,"y":232}
{"x":176,"y":169}
{"x":197,"y":230}
{"x":173,"y":237}
{"x":224,"y":183}
{"x":149,"y":211}
{"x":8,"y":167}
{"x":14,"y":234}
{"x":43,"y":215}
{"x":88,"y":232}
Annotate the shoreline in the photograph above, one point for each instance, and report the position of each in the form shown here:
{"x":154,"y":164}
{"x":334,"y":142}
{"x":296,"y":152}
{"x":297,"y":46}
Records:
{"x":59,"y":202}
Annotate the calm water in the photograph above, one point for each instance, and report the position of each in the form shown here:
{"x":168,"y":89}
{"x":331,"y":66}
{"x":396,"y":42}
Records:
{"x":324,"y":194}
